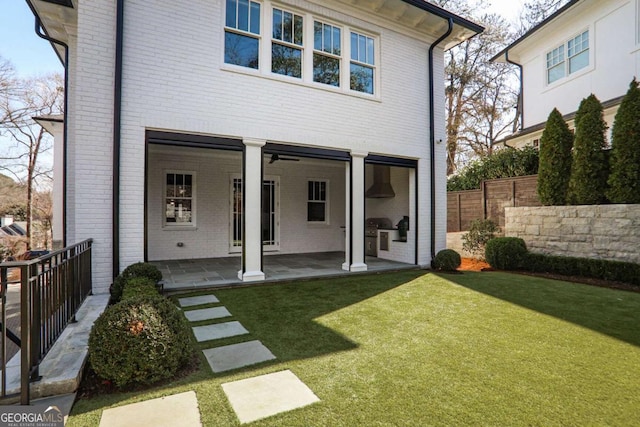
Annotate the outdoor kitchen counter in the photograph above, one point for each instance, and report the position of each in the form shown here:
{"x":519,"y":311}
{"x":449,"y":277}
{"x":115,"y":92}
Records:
{"x":397,"y":250}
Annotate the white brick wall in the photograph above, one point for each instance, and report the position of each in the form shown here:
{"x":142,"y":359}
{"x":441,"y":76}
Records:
{"x":174,"y":79}
{"x":91,"y":135}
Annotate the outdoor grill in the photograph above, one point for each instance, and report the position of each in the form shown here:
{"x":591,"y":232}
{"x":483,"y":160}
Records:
{"x":372,"y":225}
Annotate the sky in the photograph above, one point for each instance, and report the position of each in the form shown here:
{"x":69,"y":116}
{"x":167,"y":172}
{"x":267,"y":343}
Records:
{"x":19,"y":44}
{"x":32,"y":56}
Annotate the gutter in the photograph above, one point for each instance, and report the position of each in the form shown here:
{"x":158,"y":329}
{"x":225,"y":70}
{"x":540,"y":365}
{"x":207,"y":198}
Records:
{"x":117,"y":116}
{"x":521,"y":95}
{"x":65,"y":129}
{"x":432,"y":137}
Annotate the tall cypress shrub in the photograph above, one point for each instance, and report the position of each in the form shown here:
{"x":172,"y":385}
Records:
{"x":589,"y":168}
{"x":624,"y":181}
{"x":555,"y":161}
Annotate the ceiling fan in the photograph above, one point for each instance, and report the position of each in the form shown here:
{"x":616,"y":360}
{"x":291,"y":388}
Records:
{"x":276,"y":157}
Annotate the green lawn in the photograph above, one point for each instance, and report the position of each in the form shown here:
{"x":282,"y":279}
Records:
{"x":416,"y":349}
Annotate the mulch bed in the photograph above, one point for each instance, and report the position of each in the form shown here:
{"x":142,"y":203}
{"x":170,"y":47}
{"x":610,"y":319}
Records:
{"x":470,"y":264}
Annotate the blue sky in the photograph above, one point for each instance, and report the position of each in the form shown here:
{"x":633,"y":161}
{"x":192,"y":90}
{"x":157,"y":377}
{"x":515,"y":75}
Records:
{"x":19,"y":44}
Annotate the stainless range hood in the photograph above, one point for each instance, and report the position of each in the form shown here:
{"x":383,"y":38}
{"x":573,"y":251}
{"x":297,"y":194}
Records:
{"x":381,"y":188}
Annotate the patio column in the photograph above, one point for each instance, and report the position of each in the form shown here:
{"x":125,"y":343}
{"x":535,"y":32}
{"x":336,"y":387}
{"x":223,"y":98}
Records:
{"x":252,"y":172}
{"x":356,"y":215}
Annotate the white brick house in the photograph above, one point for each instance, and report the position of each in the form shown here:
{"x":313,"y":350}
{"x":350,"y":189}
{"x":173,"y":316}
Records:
{"x":216,"y":128}
{"x":587,"y":46}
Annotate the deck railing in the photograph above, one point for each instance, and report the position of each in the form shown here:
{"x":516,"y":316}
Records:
{"x":52,"y":288}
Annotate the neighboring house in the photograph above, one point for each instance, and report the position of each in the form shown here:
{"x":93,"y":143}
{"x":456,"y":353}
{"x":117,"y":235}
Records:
{"x":214,"y":128}
{"x":9,"y":228}
{"x":587,"y":46}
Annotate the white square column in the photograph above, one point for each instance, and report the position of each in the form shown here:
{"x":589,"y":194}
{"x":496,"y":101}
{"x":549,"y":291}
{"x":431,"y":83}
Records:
{"x":347,"y":215}
{"x":252,"y":172}
{"x":356,"y":220}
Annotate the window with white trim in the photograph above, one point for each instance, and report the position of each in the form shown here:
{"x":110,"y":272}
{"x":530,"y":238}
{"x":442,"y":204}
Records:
{"x":327,"y":50}
{"x":179,"y":198}
{"x":317,"y":202}
{"x":242,"y":33}
{"x":362,"y":67}
{"x":555,"y":64}
{"x":568,"y":58}
{"x":578,"y":52}
{"x":287,"y":43}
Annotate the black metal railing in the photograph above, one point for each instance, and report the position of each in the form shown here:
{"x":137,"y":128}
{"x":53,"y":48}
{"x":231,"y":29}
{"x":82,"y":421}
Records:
{"x":52,"y":288}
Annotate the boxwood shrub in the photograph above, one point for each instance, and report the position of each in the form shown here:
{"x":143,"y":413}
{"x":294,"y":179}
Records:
{"x":505,"y":253}
{"x":447,"y":260}
{"x":138,"y":286}
{"x":139,"y":269}
{"x":139,"y":341}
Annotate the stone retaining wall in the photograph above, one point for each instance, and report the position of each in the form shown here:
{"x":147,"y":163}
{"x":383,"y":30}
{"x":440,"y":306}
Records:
{"x":599,"y":231}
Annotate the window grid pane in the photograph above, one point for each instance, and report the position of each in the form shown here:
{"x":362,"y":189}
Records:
{"x":179,"y":198}
{"x":288,"y":27}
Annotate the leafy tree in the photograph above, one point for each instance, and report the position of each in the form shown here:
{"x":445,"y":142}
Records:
{"x":624,"y":181}
{"x":555,"y":161}
{"x":505,"y":163}
{"x":589,"y":168}
{"x":479,"y":95}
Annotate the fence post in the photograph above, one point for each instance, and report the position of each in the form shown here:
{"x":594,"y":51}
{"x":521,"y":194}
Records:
{"x":513,"y":193}
{"x":484,"y":199}
{"x":459,"y":213}
{"x":25,"y":333}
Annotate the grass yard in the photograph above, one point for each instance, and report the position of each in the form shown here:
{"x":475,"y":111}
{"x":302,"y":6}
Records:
{"x":416,"y":349}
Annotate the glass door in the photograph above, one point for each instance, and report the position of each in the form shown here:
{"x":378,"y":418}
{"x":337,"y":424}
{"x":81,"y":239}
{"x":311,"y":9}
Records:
{"x":270,"y":212}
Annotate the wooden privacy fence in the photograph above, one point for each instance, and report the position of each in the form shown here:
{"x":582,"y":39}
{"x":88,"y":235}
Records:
{"x":490,"y":200}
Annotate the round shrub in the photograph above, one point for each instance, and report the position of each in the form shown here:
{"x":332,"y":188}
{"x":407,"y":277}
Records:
{"x":139,"y":286}
{"x":506,"y":253}
{"x":139,"y":341}
{"x":447,"y":260}
{"x":139,"y":269}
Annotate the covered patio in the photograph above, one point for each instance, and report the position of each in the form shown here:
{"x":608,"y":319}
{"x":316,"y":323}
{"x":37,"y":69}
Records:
{"x":190,"y":274}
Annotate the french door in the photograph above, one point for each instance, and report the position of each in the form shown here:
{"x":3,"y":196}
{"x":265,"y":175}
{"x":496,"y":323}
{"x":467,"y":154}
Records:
{"x":270,"y":214}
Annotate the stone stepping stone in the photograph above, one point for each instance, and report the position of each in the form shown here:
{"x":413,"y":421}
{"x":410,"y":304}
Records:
{"x":266,"y":395}
{"x":236,"y":356}
{"x":207,"y":314}
{"x":202,"y":299}
{"x":171,"y":411}
{"x":218,"y":330}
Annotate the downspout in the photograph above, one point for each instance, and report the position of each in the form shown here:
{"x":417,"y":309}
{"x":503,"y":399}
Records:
{"x":432,"y":137}
{"x":521,"y":95}
{"x":117,"y":115}
{"x":65,"y":124}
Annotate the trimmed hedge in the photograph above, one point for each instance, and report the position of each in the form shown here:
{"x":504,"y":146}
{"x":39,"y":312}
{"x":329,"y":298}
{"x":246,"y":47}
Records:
{"x":506,"y":253}
{"x":139,"y":286}
{"x":555,"y":161}
{"x":447,"y":260}
{"x":510,"y":253}
{"x":619,"y":271}
{"x":139,"y":269}
{"x":139,"y":341}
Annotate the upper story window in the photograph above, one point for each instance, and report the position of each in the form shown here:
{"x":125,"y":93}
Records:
{"x":578,"y":52}
{"x":242,"y":33}
{"x":560,"y":65}
{"x":287,"y":42}
{"x":327,"y":50}
{"x":362,"y":70}
{"x":303,"y":47}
